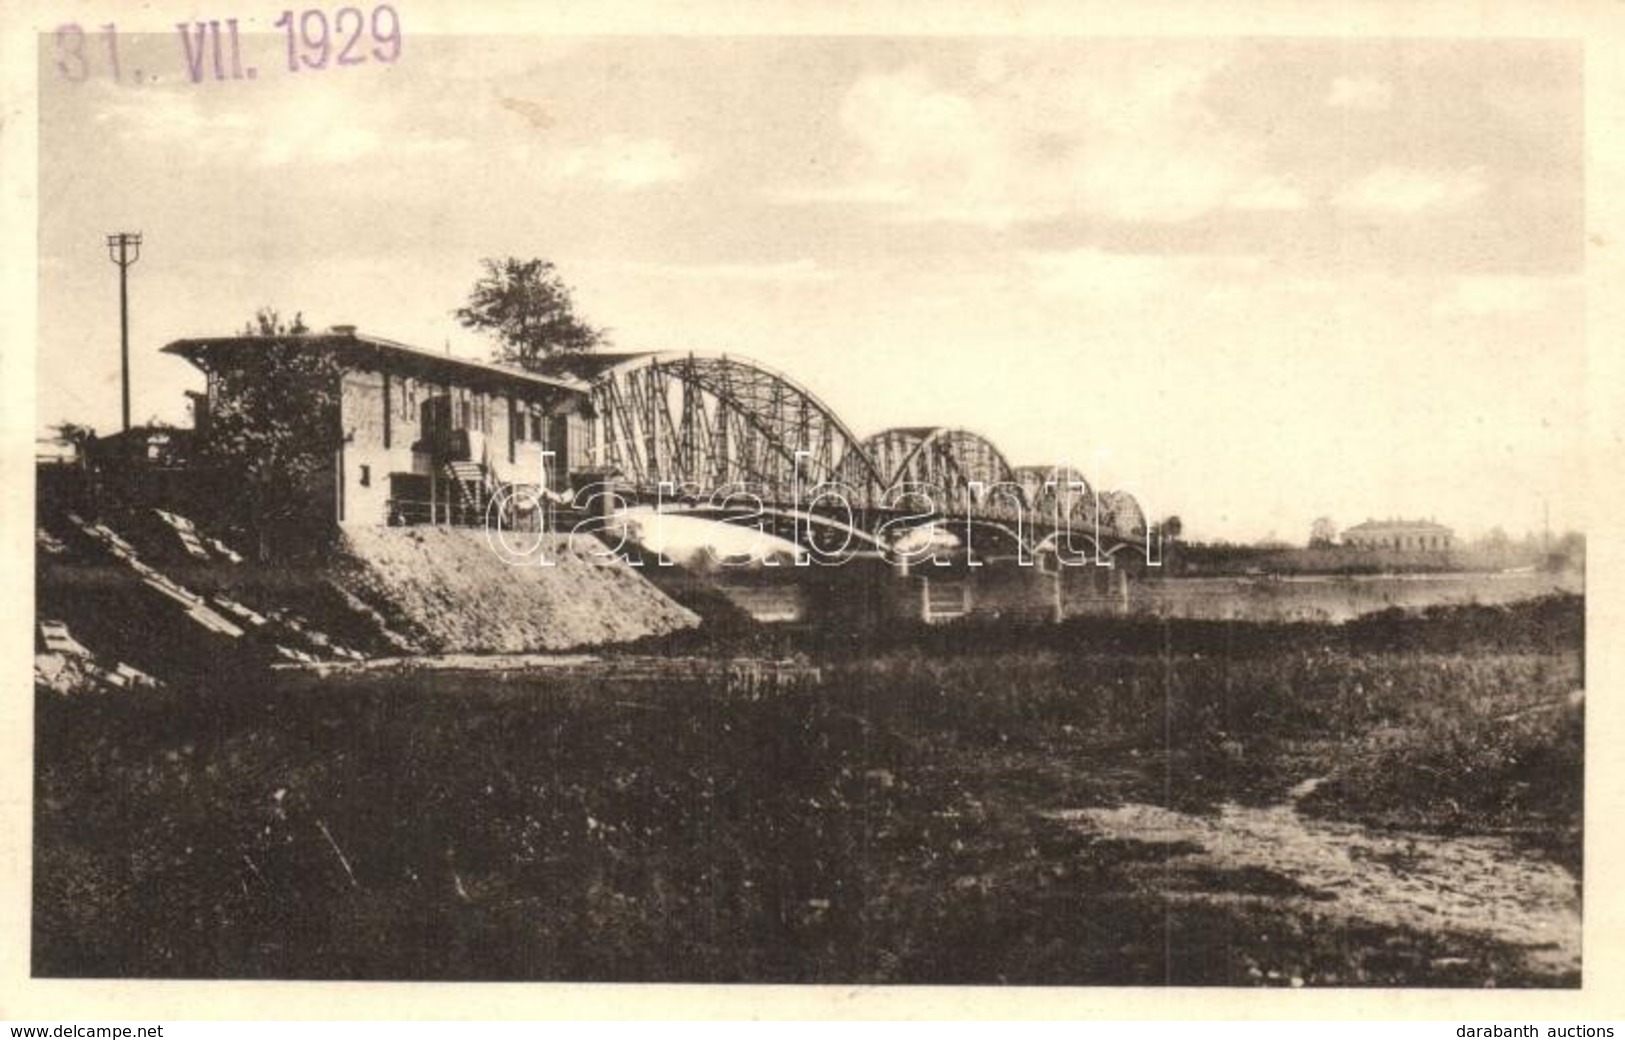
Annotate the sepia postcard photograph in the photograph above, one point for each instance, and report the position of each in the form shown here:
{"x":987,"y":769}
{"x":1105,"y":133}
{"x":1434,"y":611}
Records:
{"x":944,"y":506}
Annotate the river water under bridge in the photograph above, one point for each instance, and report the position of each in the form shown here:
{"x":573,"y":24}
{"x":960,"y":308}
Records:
{"x":794,"y":595}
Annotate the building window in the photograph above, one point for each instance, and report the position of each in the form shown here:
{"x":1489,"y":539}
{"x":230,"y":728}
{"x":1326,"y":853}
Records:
{"x":366,"y":475}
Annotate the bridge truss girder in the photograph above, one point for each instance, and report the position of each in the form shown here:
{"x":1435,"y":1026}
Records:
{"x":704,"y":424}
{"x":711,"y":423}
{"x":964,"y":472}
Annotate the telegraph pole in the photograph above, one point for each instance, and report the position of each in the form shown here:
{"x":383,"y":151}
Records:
{"x":124,"y":249}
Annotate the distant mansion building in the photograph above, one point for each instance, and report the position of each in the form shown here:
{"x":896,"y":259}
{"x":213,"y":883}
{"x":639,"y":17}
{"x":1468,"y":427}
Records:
{"x":1412,"y":535}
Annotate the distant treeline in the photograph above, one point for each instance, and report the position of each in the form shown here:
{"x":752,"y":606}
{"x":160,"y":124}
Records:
{"x":1223,"y":559}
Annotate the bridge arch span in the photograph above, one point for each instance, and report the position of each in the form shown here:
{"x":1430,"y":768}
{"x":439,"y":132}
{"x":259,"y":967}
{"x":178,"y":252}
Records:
{"x":712,"y":421}
{"x":1060,"y":495}
{"x":1121,"y":515}
{"x":944,"y":458}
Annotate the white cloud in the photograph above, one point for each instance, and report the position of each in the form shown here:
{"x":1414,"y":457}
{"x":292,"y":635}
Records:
{"x":1093,"y":272}
{"x":1479,"y":296}
{"x":1362,"y":93}
{"x":800,"y":271}
{"x":166,"y":115}
{"x":293,"y":141}
{"x":861,"y":192}
{"x":1119,"y":138}
{"x":1268,"y":193}
{"x":1401,"y":190}
{"x":1120,"y":280}
{"x":627,"y":163}
{"x":198,"y":130}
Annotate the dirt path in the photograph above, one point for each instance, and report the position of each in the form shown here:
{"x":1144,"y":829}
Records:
{"x":1479,"y":886}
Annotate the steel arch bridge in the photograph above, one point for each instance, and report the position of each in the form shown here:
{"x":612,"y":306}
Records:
{"x":691,"y":432}
{"x":700,"y":424}
{"x":964,"y":468}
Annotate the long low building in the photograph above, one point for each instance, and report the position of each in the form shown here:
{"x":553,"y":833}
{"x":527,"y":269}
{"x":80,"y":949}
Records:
{"x":1405,"y":535}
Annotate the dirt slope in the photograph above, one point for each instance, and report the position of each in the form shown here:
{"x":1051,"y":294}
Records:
{"x":450,"y":591}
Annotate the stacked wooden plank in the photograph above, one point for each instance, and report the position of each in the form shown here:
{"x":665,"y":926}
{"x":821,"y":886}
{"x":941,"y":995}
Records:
{"x":58,"y":640}
{"x":290,"y":636}
{"x":195,"y":542}
{"x":67,"y":664}
{"x":238,"y":611}
{"x":190,"y":602}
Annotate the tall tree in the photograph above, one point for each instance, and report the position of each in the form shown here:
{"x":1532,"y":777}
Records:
{"x":272,"y":434}
{"x":268,"y":322}
{"x":69,"y":432}
{"x":528,"y":307}
{"x":1323,"y":533}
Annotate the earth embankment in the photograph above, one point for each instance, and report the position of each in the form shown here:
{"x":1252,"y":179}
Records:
{"x":449,"y":590}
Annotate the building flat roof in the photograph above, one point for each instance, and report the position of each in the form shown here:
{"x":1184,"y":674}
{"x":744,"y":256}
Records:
{"x":360,"y":347}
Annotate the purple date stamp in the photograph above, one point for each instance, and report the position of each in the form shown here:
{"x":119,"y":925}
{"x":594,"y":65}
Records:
{"x":317,"y":41}
{"x":211,"y":51}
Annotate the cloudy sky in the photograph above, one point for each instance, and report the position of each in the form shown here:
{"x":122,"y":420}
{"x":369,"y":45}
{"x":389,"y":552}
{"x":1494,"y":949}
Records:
{"x":1253,"y":281}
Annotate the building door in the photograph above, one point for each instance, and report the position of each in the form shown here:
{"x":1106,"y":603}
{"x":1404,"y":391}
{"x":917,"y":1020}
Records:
{"x":435,"y":415}
{"x":558,"y":442}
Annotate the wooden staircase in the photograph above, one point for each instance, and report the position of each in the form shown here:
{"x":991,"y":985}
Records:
{"x":472,"y":488}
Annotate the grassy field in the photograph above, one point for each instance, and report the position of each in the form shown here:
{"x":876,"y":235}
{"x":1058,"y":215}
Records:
{"x":901,"y":821}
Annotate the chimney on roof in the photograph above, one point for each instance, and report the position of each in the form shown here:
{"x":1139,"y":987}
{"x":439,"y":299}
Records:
{"x":342,"y":330}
